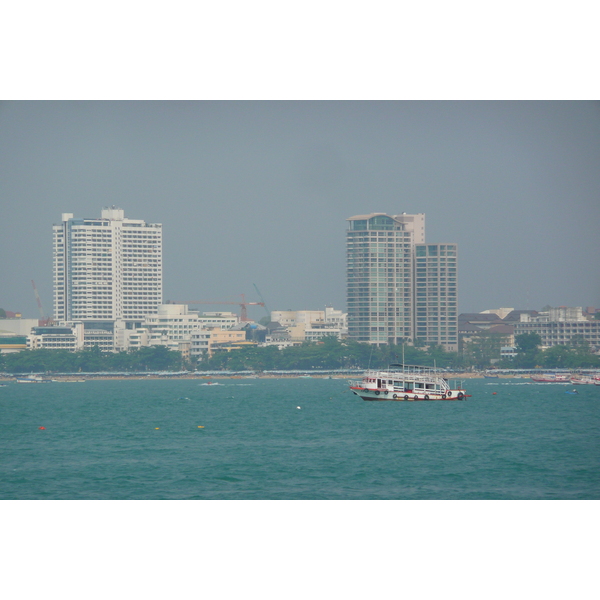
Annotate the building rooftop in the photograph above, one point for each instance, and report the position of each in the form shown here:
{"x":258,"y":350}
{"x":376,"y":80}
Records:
{"x":479,"y":318}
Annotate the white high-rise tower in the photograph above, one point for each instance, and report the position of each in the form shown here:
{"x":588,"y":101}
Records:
{"x":399,"y":288}
{"x":107,"y":270}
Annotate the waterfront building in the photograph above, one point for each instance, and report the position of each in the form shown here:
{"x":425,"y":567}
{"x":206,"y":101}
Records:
{"x":57,"y":338}
{"x":400,"y":289}
{"x":14,"y":331}
{"x":310,"y":325}
{"x":436,"y":305}
{"x":560,"y":326}
{"x":292,"y":318}
{"x":337,"y":318}
{"x":563,"y":326}
{"x":223,"y":320}
{"x":319,"y":331}
{"x":10,"y":342}
{"x":132,"y":339}
{"x":171,"y":325}
{"x":18,"y":326}
{"x":206,"y":341}
{"x":107,"y":271}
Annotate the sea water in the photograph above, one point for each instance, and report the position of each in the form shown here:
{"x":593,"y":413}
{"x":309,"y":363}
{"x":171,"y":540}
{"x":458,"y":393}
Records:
{"x":303,"y":439}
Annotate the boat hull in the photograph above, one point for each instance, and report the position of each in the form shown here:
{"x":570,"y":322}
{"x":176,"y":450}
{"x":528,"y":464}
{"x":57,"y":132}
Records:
{"x":378,"y":395}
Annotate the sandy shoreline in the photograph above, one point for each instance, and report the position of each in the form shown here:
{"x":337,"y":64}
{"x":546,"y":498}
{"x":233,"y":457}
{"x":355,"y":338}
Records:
{"x":106,"y":377}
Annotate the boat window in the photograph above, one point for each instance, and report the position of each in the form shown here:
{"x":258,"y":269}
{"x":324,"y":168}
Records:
{"x":418,"y":385}
{"x":429,"y":386}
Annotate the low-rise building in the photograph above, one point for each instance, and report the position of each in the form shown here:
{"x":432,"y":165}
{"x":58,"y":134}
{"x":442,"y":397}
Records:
{"x":561,"y":333}
{"x":291,"y":318}
{"x":311,"y":325}
{"x":556,"y":326}
{"x":9,"y":342}
{"x":222,"y":320}
{"x":508,"y":352}
{"x":132,"y":339}
{"x":102,"y":338}
{"x":69,"y":338}
{"x":206,"y":341}
{"x":172,"y":323}
{"x":282,"y":342}
{"x":18,"y":326}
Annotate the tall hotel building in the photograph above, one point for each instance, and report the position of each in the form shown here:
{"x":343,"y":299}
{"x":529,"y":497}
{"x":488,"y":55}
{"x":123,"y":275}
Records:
{"x":107,"y":271}
{"x":400,"y":289}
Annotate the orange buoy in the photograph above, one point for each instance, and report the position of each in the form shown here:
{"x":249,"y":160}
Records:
{"x":200,"y":426}
{"x":41,"y":428}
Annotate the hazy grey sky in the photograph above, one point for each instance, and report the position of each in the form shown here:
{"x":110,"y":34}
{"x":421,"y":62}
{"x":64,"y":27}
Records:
{"x":259,"y":192}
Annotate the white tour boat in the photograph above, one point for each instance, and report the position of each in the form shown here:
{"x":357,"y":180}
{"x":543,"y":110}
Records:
{"x":406,"y":382}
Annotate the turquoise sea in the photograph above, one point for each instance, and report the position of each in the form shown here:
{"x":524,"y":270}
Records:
{"x":295,"y":439}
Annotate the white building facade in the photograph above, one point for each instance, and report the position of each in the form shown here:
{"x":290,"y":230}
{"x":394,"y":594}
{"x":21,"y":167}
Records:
{"x":56,"y":338}
{"x":106,"y":271}
{"x":173,"y":322}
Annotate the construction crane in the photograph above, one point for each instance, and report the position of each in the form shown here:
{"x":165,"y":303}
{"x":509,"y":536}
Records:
{"x":263,"y":301}
{"x":44,"y":320}
{"x":243,"y":304}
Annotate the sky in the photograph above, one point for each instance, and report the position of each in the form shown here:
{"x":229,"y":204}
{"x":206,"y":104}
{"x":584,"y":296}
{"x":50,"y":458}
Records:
{"x":257,"y":193}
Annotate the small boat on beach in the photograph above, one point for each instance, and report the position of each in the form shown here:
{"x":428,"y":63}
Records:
{"x":33,"y":379}
{"x":406,"y":382}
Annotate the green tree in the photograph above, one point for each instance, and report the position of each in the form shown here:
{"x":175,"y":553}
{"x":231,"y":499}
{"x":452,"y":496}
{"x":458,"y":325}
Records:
{"x":557,"y":357}
{"x":483,"y":348}
{"x":528,"y":342}
{"x":527,"y":347}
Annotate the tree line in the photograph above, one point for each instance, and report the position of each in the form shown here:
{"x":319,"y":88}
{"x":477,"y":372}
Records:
{"x":328,"y":354}
{"x":152,"y":358}
{"x":576,"y":355}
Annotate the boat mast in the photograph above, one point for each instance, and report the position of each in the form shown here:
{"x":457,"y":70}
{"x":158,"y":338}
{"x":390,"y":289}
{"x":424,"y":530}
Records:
{"x":403,"y":363}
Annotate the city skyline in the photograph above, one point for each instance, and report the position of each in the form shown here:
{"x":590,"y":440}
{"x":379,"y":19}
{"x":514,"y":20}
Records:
{"x":258,"y":192}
